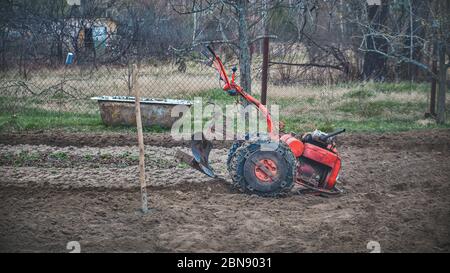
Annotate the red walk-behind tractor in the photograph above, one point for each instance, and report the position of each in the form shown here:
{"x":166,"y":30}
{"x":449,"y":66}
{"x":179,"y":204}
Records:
{"x":271,"y":165}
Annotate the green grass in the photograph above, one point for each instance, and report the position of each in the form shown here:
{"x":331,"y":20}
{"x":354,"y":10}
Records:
{"x":360,"y":93}
{"x":387,"y":87}
{"x":62,"y":156}
{"x":37,"y":119}
{"x":372,"y":109}
{"x":88,"y":157}
{"x":214,"y":95}
{"x":401,"y":87}
{"x":367,"y":107}
{"x":368,"y":125}
{"x":22,"y":158}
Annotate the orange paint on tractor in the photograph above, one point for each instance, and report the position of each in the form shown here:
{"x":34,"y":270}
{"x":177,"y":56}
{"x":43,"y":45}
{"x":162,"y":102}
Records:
{"x":320,"y":155}
{"x":332,"y":176}
{"x":327,"y":158}
{"x":265,"y":169}
{"x":323,"y":156}
{"x":297,"y":147}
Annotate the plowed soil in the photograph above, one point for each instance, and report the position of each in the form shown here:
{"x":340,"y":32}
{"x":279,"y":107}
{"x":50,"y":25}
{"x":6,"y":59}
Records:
{"x":59,"y":187}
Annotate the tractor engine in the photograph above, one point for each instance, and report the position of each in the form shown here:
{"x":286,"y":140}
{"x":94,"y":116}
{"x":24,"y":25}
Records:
{"x":318,"y":162}
{"x":312,"y":173}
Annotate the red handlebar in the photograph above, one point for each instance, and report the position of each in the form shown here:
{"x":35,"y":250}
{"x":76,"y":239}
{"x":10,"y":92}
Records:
{"x":233,"y":86}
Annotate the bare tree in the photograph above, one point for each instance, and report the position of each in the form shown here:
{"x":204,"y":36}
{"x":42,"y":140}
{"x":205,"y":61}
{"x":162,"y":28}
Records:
{"x":393,"y":37}
{"x":221,"y":19}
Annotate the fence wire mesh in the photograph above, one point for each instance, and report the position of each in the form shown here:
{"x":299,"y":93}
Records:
{"x":69,"y":89}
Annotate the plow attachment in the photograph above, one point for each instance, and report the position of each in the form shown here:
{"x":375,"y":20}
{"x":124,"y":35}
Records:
{"x":200,"y":148}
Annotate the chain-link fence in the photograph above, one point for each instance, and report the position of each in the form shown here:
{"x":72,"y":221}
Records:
{"x":313,"y":50}
{"x":69,"y":89}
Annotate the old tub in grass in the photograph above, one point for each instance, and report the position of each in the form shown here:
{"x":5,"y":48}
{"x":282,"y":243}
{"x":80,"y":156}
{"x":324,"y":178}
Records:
{"x":119,"y":110}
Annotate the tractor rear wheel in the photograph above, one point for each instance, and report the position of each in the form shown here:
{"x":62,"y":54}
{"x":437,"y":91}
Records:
{"x":232,"y":152}
{"x":238,"y":143}
{"x":263,"y":167}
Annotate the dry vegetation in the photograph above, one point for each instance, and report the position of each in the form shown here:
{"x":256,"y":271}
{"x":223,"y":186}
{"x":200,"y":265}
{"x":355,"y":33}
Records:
{"x":62,"y":98}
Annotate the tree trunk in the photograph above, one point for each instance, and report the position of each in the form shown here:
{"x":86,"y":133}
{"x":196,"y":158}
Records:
{"x":59,"y":50}
{"x":244,"y":50}
{"x":3,"y":48}
{"x":374,"y":63}
{"x":433,"y":79}
{"x":442,"y":85}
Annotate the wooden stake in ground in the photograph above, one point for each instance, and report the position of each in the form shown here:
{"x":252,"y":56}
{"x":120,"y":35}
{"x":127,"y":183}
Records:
{"x":135,"y":86}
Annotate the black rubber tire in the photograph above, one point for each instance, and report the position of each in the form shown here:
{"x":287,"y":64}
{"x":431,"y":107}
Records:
{"x":243,"y":177}
{"x":236,"y":145}
{"x":232,"y":152}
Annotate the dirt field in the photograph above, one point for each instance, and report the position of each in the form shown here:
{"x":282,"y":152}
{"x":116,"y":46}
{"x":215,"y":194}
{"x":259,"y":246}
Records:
{"x":61,"y":187}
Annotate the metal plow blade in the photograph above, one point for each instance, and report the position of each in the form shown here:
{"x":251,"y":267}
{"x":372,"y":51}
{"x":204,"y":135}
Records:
{"x":200,"y":148}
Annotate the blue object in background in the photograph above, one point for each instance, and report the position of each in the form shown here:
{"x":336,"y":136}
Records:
{"x":232,"y":92}
{"x":100,"y":35}
{"x":69,"y":58}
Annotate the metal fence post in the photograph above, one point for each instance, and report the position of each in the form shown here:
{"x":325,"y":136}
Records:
{"x":265,"y":70}
{"x":265,"y":64}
